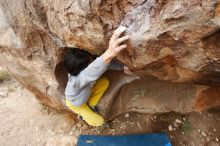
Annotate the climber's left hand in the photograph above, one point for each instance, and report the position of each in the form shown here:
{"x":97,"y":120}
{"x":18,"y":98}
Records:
{"x":127,"y":71}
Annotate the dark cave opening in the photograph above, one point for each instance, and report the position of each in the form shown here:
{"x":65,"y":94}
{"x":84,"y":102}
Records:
{"x":61,"y":77}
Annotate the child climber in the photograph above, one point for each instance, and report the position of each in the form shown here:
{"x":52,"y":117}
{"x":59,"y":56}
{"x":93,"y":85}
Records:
{"x":85,"y":87}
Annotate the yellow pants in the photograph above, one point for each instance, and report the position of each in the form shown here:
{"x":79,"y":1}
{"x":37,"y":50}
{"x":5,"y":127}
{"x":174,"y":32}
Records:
{"x":85,"y":111}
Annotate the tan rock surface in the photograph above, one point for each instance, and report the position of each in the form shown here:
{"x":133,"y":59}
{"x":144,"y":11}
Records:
{"x":174,"y":41}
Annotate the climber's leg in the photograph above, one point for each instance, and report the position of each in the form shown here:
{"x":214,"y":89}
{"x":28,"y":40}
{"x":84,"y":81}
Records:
{"x":98,"y":90}
{"x":87,"y":114}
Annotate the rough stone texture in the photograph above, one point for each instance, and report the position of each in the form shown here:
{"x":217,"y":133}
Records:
{"x":150,"y":95}
{"x":173,"y":40}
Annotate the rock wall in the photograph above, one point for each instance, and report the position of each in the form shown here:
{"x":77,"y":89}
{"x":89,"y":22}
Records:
{"x":172,"y":40}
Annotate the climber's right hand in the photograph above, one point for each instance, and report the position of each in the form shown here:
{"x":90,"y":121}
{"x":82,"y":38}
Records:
{"x":115,"y":45}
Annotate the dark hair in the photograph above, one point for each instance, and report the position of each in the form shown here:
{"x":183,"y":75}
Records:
{"x":75,"y":60}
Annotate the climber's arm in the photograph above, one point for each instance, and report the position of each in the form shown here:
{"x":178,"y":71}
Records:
{"x":100,"y":65}
{"x":91,"y":73}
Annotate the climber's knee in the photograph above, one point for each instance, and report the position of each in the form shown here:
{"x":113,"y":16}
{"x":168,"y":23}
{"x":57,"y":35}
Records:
{"x":103,"y":83}
{"x":98,"y":90}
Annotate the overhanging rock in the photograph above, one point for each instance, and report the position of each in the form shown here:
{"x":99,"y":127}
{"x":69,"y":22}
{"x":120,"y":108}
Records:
{"x":175,"y":41}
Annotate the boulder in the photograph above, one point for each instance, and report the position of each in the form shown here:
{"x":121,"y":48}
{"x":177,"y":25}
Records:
{"x":174,"y":50}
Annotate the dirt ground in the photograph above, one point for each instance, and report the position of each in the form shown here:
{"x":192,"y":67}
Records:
{"x":24,"y":121}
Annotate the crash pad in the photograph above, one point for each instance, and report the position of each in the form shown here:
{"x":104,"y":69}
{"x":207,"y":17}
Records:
{"x":156,"y":139}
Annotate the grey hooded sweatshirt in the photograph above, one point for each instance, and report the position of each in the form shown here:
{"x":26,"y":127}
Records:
{"x":78,"y":87}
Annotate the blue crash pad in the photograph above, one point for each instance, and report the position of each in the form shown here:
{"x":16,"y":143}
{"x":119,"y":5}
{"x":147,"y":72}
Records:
{"x":159,"y":139}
